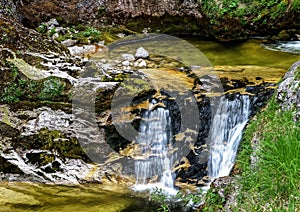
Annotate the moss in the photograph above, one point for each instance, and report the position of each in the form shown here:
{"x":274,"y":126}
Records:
{"x":16,"y":87}
{"x":4,"y":111}
{"x":55,"y":141}
{"x":283,"y":35}
{"x":23,"y":39}
{"x":8,"y":131}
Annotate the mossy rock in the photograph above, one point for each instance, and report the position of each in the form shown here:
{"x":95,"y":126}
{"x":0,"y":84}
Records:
{"x":8,"y":131}
{"x":16,"y":87}
{"x":54,"y":141}
{"x":20,"y":39}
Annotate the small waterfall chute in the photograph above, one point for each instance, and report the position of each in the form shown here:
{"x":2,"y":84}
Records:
{"x":225,"y":134}
{"x":154,"y":168}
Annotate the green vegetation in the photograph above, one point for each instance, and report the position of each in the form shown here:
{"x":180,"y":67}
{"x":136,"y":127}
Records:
{"x":213,"y":200}
{"x":15,"y":87}
{"x":239,"y":18}
{"x":180,"y":200}
{"x":80,"y":33}
{"x":42,"y":28}
{"x":272,"y":183}
{"x":53,"y":88}
{"x":246,"y":8}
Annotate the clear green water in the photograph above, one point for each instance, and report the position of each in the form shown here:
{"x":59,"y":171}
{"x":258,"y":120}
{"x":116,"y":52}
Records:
{"x":17,"y":197}
{"x":251,"y":52}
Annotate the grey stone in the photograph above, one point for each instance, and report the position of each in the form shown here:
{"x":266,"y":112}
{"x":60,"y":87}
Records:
{"x":81,"y":50}
{"x":69,"y":42}
{"x":126,"y":63}
{"x":141,"y":53}
{"x":52,"y":24}
{"x":128,"y":57}
{"x":288,"y":92}
{"x":140,"y":63}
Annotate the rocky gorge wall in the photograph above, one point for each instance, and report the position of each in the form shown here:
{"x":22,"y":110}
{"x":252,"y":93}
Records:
{"x":222,"y":20}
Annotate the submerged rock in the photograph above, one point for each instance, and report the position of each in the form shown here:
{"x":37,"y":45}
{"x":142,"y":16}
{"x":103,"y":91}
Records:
{"x":82,"y":50}
{"x":9,"y":196}
{"x":128,"y":57}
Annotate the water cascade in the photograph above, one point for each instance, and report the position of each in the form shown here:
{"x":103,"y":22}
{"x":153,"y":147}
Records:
{"x":225,"y":134}
{"x":154,"y":147}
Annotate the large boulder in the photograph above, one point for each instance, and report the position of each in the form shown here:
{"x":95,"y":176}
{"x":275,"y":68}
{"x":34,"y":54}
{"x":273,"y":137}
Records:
{"x":288,"y":92}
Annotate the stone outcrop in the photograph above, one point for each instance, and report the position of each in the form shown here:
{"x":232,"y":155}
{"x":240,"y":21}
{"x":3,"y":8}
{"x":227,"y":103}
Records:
{"x":288,"y":92}
{"x":214,"y":19}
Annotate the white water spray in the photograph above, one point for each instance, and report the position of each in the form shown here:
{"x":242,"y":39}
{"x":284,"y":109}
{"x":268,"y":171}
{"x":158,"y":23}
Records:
{"x":154,"y":169}
{"x":225,"y":134}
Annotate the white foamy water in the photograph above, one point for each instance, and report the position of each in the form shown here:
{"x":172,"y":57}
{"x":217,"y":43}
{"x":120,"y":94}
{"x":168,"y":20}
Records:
{"x":225,"y":134}
{"x":154,"y":169}
{"x":289,"y":46}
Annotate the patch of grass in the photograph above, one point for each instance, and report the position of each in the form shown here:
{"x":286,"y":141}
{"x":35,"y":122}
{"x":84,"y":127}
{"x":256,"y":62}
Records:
{"x":213,"y":201}
{"x":273,"y":182}
{"x":297,"y":74}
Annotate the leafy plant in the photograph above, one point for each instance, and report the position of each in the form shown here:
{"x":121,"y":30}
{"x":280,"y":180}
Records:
{"x":52,"y":32}
{"x":53,"y":88}
{"x":12,"y":94}
{"x":160,"y":197}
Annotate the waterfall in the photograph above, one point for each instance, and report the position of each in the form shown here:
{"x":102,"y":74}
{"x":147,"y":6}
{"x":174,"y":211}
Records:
{"x":154,"y":146}
{"x":225,"y":134}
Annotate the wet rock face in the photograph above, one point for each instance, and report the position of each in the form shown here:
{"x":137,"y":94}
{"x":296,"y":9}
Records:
{"x":35,"y":12}
{"x":134,"y":8}
{"x":74,"y":11}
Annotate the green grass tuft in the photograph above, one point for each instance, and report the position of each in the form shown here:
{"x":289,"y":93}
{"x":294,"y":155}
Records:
{"x":273,"y":182}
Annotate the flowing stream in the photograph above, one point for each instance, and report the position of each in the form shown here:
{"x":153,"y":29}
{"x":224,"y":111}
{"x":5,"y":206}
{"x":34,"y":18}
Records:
{"x":154,"y":142}
{"x":225,"y":134}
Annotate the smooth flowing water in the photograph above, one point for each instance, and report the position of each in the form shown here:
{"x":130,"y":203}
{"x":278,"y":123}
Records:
{"x":154,"y":142}
{"x":225,"y":134}
{"x":252,"y":52}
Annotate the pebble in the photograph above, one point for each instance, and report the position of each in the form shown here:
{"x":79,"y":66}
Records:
{"x":128,"y":57}
{"x":140,"y":63}
{"x":126,"y":63}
